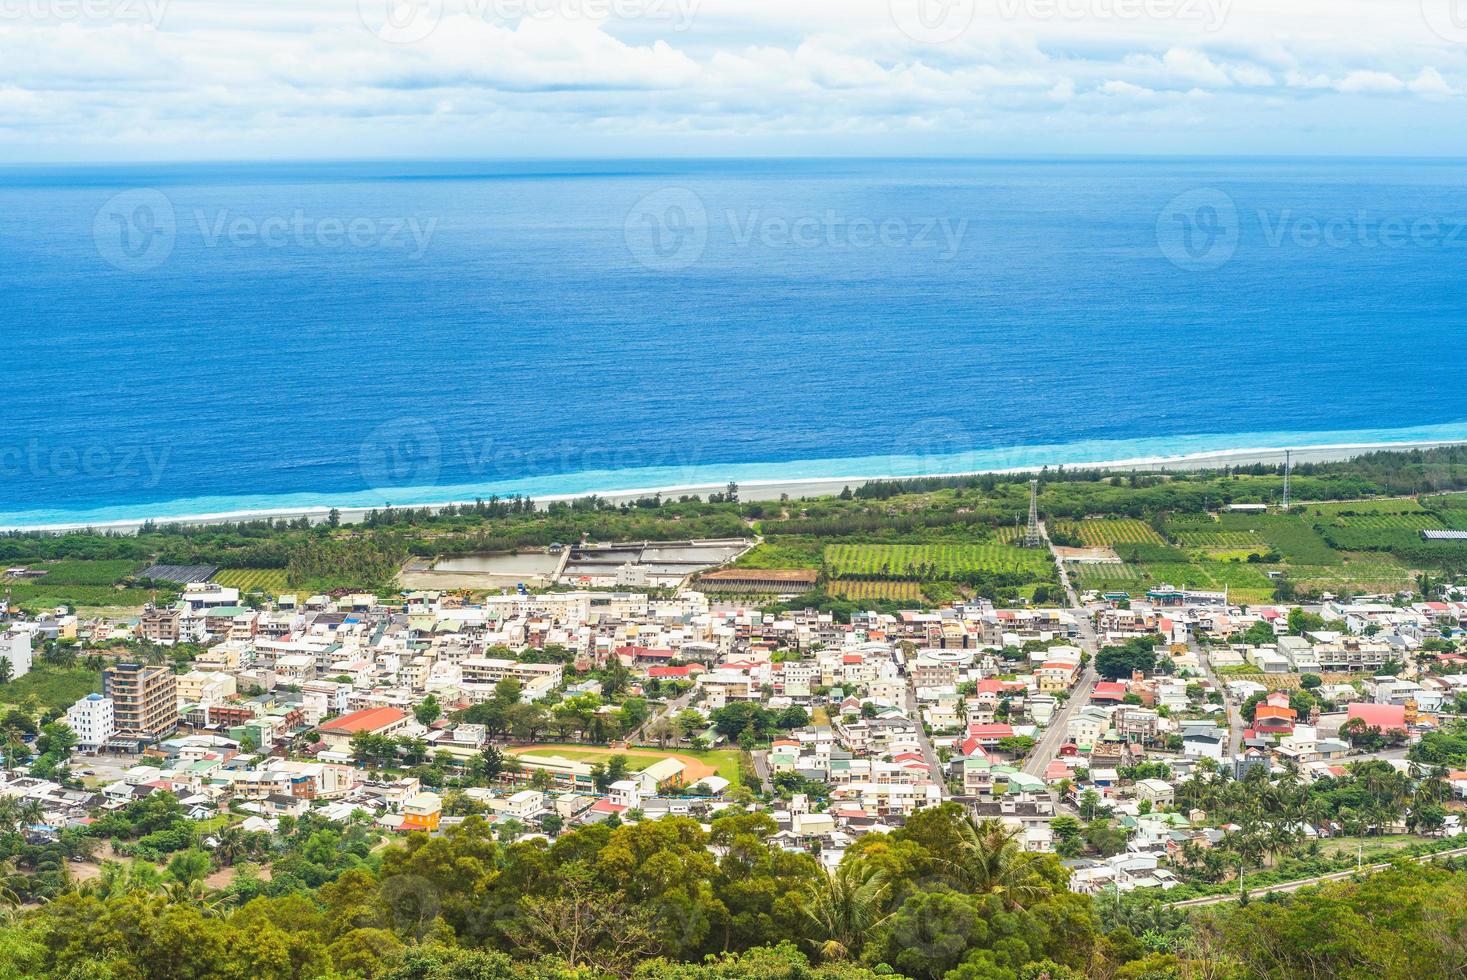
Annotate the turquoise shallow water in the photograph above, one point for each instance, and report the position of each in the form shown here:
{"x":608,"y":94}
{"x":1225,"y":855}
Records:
{"x":198,"y":340}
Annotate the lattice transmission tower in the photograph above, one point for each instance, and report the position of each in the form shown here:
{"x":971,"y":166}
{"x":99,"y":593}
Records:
{"x":1032,"y":538}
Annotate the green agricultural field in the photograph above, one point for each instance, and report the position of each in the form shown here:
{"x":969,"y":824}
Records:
{"x":1221,"y":540}
{"x":788,"y":552}
{"x":1245,"y":581}
{"x":1364,"y":572}
{"x":1292,"y":536}
{"x":37,"y":596}
{"x":923,"y":562}
{"x":1422,"y":521}
{"x":900,"y":591}
{"x":1110,"y":532}
{"x":82,"y":572}
{"x":1092,"y":576}
{"x":270,"y":581}
{"x":1398,"y":505}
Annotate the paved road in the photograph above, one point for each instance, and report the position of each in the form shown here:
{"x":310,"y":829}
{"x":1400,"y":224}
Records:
{"x":761,"y":769}
{"x":1235,"y":717}
{"x":1293,"y":886}
{"x":1054,"y":735}
{"x":934,"y":764}
{"x":669,"y":710}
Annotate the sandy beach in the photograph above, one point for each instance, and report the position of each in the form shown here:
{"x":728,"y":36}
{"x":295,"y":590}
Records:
{"x":819,"y":487}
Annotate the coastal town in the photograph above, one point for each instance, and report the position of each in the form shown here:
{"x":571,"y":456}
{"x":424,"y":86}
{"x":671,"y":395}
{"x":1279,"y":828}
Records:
{"x":1172,"y":739}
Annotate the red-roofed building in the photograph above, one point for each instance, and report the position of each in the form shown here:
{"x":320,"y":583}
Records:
{"x":631,"y":655}
{"x":1056,"y":771}
{"x":1269,"y":719}
{"x":679,"y":672}
{"x":374,"y":721}
{"x":1386,"y":717}
{"x":1109,"y":691}
{"x":985,"y":737}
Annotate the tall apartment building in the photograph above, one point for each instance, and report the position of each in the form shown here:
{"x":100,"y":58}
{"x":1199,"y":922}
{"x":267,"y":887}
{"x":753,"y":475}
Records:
{"x":144,"y":702}
{"x":93,"y":721}
{"x":160,"y":625}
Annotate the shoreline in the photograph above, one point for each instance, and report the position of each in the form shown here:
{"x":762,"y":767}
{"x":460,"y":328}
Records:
{"x":774,"y":489}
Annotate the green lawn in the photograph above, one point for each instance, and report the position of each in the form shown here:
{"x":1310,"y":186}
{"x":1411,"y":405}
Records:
{"x":724,"y":761}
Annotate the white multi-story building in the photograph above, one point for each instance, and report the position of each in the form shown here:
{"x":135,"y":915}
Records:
{"x":92,"y":720}
{"x":15,"y":646}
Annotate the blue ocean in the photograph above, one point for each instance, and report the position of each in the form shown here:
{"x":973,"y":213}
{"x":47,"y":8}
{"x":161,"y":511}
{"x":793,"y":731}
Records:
{"x":202,"y":339}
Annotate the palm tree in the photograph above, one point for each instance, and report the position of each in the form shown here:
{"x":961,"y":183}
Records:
{"x":992,"y":862}
{"x":31,"y":812}
{"x":231,"y":844}
{"x":844,"y":906}
{"x":196,"y":894}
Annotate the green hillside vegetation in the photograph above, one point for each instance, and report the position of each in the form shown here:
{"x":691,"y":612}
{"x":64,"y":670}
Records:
{"x":942,"y":898}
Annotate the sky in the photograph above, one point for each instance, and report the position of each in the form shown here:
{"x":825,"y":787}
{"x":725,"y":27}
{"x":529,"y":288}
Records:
{"x":94,"y":81}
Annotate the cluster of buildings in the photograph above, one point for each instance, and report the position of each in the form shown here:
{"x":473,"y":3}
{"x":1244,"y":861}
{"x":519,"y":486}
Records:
{"x":997,"y":709}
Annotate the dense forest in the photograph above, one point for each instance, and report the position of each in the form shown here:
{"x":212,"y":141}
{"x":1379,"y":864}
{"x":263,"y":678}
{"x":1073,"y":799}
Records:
{"x":943,"y":897}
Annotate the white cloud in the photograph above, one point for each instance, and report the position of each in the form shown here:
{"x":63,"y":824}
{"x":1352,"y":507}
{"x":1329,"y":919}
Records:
{"x":1430,"y":82}
{"x":1370,"y":81}
{"x":239,"y":77}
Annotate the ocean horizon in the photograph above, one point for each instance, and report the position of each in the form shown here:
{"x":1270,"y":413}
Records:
{"x":242,"y":338}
